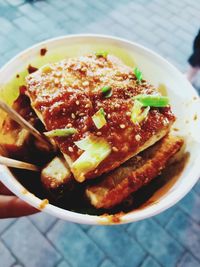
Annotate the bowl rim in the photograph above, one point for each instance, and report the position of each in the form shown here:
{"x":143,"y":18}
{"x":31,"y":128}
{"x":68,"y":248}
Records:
{"x":131,"y":216}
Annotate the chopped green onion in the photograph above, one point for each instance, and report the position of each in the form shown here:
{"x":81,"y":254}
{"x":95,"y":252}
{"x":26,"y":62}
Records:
{"x":106,"y":91}
{"x":99,"y":118}
{"x":153,"y":100}
{"x":101,"y":54}
{"x":61,"y":132}
{"x":138,"y":75}
{"x":96,"y":150}
{"x":137,"y":114}
{"x":85,"y":144}
{"x":102,"y":111}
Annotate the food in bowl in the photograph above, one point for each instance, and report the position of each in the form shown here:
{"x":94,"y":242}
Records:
{"x":110,"y":128}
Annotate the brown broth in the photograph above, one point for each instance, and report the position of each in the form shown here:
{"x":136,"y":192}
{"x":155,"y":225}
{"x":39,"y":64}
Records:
{"x":76,"y":201}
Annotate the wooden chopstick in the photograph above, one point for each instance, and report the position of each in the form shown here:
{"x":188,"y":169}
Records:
{"x":17,"y":164}
{"x":24,"y":124}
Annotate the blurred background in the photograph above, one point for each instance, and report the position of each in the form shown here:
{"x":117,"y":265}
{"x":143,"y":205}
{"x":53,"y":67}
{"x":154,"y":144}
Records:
{"x":170,"y":239}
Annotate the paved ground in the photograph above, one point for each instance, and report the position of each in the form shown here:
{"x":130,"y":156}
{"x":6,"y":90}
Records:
{"x":170,"y":239}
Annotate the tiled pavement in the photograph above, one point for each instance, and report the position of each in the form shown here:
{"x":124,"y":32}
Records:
{"x":169,"y":239}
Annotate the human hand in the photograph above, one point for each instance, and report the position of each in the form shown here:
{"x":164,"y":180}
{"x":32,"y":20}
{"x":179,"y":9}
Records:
{"x":11,"y":206}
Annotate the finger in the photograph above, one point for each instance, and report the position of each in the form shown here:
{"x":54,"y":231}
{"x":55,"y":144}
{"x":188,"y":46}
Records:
{"x":12,"y":206}
{"x":4,"y":190}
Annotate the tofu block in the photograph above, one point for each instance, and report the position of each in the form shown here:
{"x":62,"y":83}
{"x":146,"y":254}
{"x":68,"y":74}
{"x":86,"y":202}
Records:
{"x":135,"y":173}
{"x":13,"y":138}
{"x":16,"y":141}
{"x":69,"y":94}
{"x":56,"y":176}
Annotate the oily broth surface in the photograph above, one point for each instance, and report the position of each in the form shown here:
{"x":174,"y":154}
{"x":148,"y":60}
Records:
{"x":76,"y":201}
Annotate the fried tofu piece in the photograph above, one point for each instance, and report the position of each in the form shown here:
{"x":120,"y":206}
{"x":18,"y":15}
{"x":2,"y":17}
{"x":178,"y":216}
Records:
{"x":55,"y":173}
{"x":56,"y":177}
{"x":15,"y":141}
{"x":69,"y":93}
{"x":132,"y":175}
{"x":13,"y":138}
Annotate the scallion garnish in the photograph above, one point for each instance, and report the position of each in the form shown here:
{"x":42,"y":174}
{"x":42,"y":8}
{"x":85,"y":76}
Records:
{"x":138,"y":114}
{"x":152,"y":100}
{"x":96,"y":149}
{"x":61,"y":132}
{"x":106,"y":91}
{"x":138,"y":75}
{"x":99,"y":118}
{"x":101,"y":54}
{"x":101,"y":110}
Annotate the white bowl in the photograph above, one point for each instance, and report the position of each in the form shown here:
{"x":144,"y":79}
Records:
{"x":185,"y":103}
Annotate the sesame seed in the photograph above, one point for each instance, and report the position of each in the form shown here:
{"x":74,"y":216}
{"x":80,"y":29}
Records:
{"x":77,"y":102}
{"x":81,"y":114}
{"x":128,"y":113}
{"x":73,"y":116}
{"x":124,"y":148}
{"x":58,"y":74}
{"x":115,"y":149}
{"x":85,"y":83}
{"x":137,"y":137}
{"x":87,"y":105}
{"x":70,"y":149}
{"x":108,"y":116}
{"x":165,"y":121}
{"x":69,"y":125}
{"x":99,"y":133}
{"x":119,"y":78}
{"x":83,"y":68}
{"x":56,"y":81}
{"x":122,"y":126}
{"x":85,"y":128}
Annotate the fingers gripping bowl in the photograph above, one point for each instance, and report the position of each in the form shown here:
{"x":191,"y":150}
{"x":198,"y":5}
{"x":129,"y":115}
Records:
{"x":183,"y":100}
